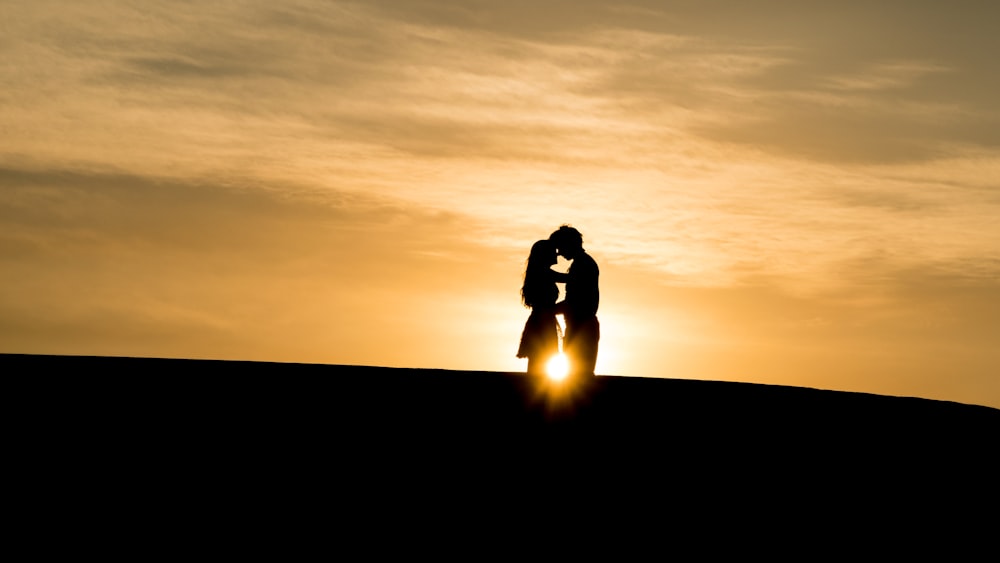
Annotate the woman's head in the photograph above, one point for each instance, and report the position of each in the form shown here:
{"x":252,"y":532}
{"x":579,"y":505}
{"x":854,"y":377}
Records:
{"x":543,"y":254}
{"x":537,"y":281}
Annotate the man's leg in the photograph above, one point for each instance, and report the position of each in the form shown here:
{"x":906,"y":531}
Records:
{"x":570,"y":351}
{"x":580,"y":347}
{"x":587,"y":340}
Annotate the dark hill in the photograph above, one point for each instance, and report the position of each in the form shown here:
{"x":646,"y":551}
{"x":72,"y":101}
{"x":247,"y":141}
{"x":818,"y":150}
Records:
{"x":236,"y":428}
{"x":389,"y":396}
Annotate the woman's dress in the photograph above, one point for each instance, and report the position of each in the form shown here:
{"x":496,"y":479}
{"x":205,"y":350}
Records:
{"x":540,"y":337}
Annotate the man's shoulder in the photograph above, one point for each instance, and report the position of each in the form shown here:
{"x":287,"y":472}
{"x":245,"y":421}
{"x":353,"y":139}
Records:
{"x":585,"y":262}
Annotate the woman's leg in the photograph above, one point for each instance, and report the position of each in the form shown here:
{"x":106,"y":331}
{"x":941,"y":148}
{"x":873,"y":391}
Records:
{"x":535,"y":365}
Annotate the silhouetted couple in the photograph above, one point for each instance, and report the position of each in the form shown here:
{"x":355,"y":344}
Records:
{"x":540,"y":338}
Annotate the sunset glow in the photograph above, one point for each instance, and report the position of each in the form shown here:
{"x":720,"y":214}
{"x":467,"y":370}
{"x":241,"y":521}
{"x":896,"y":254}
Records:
{"x":557,"y":369}
{"x":775,"y":193}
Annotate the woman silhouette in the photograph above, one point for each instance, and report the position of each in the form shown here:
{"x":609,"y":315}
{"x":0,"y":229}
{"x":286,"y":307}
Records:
{"x":540,"y":338}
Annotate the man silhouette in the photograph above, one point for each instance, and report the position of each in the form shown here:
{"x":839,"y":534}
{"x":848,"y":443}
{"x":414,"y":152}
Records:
{"x":579,"y":308}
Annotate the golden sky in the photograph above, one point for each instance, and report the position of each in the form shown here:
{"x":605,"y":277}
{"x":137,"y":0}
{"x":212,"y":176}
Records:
{"x":789,"y":192}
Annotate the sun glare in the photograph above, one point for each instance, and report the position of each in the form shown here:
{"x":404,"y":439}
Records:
{"x":557,"y":368}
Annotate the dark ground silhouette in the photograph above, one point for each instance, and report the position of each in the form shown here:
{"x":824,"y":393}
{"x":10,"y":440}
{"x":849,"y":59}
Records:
{"x":347,"y":438}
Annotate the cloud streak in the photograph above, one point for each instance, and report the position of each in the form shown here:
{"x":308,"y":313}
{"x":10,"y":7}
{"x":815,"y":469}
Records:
{"x":447,"y":112}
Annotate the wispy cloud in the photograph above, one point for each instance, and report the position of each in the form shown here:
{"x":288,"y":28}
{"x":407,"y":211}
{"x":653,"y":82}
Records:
{"x":693,"y":139}
{"x":885,"y":76}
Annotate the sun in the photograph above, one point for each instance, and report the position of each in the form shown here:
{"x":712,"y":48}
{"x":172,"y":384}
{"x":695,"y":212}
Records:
{"x":557,"y":368}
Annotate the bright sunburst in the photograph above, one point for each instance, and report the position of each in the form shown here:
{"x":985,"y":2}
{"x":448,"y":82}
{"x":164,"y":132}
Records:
{"x":557,"y":368}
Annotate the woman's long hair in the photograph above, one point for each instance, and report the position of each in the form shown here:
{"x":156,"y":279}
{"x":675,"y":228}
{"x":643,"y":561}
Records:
{"x":538,"y":284}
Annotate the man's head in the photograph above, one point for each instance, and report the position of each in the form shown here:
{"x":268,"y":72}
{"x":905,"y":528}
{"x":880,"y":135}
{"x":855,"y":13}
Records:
{"x":568,"y":241}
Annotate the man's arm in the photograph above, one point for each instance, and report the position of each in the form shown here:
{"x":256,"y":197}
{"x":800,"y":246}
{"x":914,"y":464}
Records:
{"x":559,"y":277}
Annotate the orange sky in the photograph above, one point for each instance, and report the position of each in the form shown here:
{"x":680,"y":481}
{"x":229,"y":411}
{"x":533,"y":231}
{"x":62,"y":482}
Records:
{"x":780,"y":193}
